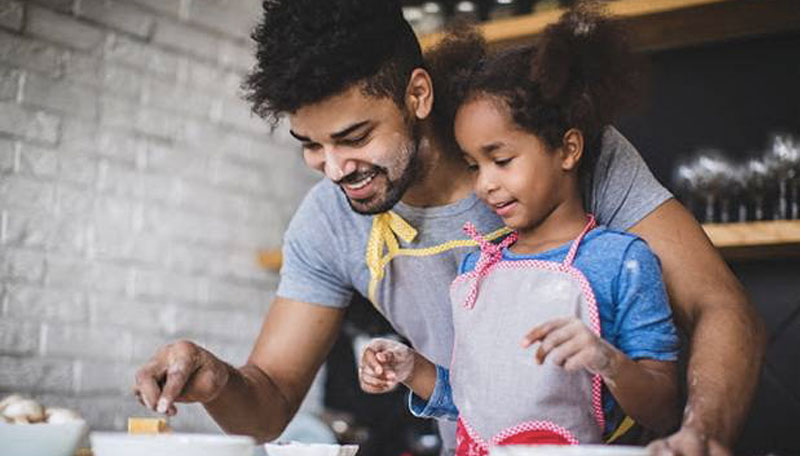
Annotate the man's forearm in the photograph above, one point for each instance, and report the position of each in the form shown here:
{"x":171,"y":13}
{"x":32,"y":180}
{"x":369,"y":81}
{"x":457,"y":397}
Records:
{"x":709,"y":303}
{"x":647,"y":390}
{"x":251,"y":403}
{"x":727,"y":349}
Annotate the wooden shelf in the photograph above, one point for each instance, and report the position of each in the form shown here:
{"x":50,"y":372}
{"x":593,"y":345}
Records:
{"x":756,"y":240}
{"x":270,"y":259}
{"x":662,"y":24}
{"x":736,"y":241}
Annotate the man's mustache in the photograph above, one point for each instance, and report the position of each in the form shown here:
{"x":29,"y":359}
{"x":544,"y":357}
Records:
{"x":360,"y":175}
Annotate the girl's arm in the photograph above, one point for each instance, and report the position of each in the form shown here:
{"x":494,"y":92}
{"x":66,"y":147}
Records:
{"x":647,"y":390}
{"x":423,"y":377}
{"x":386,"y":363}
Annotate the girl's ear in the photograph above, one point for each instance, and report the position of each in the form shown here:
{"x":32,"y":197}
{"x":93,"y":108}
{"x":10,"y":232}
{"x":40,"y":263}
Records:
{"x":419,"y":93}
{"x":571,"y":149}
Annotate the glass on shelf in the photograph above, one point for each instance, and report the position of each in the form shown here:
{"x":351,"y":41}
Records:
{"x":708,"y":178}
{"x":738,"y":192}
{"x":766,"y":186}
{"x":466,"y":10}
{"x":684,"y":180}
{"x":784,"y":161}
{"x":756,"y":185}
{"x":502,"y":9}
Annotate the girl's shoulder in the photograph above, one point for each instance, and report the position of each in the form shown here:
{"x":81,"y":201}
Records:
{"x":610,"y":242}
{"x":605,"y":252}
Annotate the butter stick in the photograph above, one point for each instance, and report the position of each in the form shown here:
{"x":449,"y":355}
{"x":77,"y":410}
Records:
{"x":147,"y":426}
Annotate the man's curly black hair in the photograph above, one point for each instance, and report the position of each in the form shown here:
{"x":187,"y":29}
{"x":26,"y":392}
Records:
{"x":309,"y":50}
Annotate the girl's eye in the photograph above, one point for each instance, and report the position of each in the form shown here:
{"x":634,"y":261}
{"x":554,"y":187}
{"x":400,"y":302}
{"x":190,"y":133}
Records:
{"x":472,"y":168}
{"x":502,"y":162}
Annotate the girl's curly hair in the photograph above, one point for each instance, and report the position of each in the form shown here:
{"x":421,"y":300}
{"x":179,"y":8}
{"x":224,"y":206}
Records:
{"x":581,"y":73}
{"x":309,"y":50}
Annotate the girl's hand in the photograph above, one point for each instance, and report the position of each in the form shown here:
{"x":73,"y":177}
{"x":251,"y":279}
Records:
{"x":384,"y":364}
{"x":569,"y":343}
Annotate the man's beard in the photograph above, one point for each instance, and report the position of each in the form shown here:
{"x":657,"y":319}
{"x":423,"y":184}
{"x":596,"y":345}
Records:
{"x":394,"y":189}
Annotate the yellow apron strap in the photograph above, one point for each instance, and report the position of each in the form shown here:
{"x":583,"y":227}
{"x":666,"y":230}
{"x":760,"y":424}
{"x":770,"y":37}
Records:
{"x":399,"y":226}
{"x":625,"y":426}
{"x":382,"y":243}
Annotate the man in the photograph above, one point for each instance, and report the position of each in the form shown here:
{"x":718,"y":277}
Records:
{"x":386,"y":223}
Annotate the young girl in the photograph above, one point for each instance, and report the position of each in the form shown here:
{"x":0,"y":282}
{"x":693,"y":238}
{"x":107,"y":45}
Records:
{"x":530,"y":122}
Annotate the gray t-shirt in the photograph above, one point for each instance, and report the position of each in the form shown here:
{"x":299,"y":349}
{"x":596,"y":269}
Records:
{"x":325,"y":247}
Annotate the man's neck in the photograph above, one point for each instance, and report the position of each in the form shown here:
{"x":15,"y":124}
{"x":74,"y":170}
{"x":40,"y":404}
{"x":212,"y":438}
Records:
{"x":444,"y":177}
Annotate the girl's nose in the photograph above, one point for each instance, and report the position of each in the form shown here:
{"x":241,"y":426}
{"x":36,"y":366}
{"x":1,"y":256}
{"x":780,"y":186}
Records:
{"x":485,"y":184}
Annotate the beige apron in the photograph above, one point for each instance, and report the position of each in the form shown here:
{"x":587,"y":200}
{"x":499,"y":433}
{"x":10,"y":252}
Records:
{"x":503,"y":396}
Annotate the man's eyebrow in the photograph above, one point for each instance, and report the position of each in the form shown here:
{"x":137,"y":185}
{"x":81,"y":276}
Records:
{"x":346,"y":131}
{"x":300,"y":138}
{"x":338,"y":135}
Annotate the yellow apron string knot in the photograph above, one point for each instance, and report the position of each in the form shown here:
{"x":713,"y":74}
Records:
{"x":382,"y":243}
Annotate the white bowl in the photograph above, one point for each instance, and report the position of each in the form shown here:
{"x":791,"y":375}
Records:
{"x":309,"y":449}
{"x":567,"y":450}
{"x":40,"y":439}
{"x":122,"y":444}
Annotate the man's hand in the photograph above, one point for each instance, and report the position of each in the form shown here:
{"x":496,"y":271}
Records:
{"x":569,"y":343}
{"x":180,"y":372}
{"x":384,"y":365}
{"x":687,"y":442}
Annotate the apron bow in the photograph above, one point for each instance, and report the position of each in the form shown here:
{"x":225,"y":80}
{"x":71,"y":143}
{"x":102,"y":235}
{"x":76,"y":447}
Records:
{"x":491,"y":254}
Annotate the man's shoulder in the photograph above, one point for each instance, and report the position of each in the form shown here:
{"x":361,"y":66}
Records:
{"x":615,"y":147}
{"x":623,"y":189}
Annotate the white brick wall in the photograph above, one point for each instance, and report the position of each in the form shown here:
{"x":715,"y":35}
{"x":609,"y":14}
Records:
{"x":135,"y":191}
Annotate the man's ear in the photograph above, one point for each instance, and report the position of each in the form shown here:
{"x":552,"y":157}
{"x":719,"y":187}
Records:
{"x":571,"y":149}
{"x":419,"y":93}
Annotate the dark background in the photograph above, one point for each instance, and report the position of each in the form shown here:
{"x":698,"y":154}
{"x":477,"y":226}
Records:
{"x":728,"y":96}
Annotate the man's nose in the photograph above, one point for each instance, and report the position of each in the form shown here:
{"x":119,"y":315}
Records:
{"x":337,"y":164}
